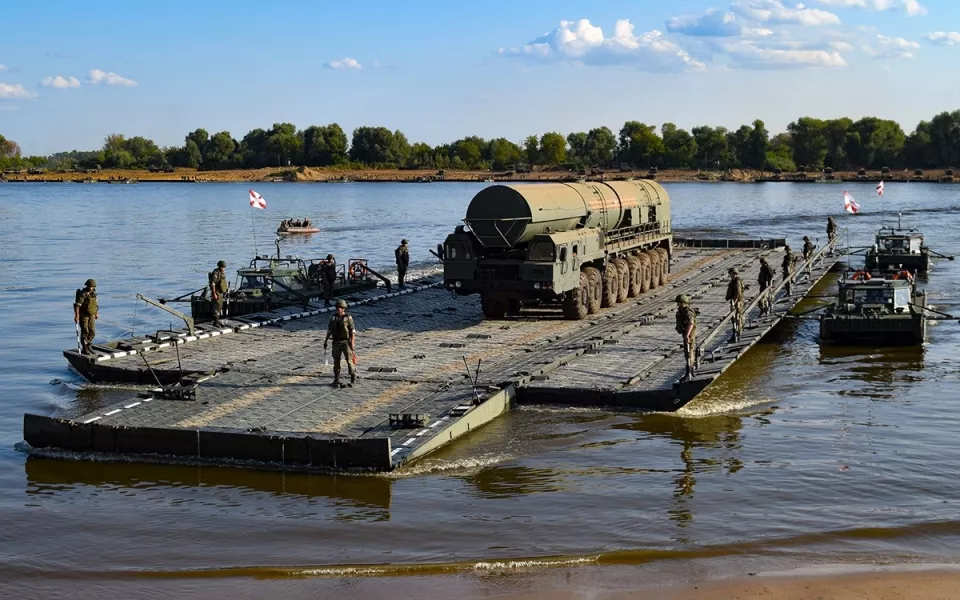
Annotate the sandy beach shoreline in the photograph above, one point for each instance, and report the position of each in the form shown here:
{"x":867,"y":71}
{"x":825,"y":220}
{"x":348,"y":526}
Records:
{"x":831,"y":582}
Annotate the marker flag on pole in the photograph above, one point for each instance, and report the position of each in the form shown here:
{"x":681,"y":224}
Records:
{"x":880,"y":188}
{"x":257,"y":201}
{"x":849,"y":204}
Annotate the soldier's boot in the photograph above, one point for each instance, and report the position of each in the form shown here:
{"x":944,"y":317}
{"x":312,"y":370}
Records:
{"x":86,"y":349}
{"x":336,"y":382}
{"x":353,"y":378}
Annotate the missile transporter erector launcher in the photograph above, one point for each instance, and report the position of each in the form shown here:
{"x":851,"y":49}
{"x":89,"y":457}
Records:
{"x":583,"y":246}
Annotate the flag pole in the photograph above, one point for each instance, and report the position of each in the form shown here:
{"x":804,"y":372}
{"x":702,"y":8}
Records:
{"x":253,"y":226}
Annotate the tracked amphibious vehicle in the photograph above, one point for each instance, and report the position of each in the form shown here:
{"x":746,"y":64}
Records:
{"x":582,"y":246}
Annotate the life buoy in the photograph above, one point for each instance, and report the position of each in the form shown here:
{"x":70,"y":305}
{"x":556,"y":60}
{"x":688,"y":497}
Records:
{"x":356,"y":270}
{"x":904,"y":274}
{"x":861,"y":275}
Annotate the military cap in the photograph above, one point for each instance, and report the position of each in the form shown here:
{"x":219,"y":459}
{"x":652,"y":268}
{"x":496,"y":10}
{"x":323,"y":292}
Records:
{"x":403,"y":242}
{"x":763,"y":259}
{"x":683,"y":298}
{"x":341,"y":303}
{"x":91,"y":283}
{"x":806,"y":239}
{"x":330,"y":257}
{"x":786,"y":247}
{"x":732,"y":270}
{"x":221,"y":263}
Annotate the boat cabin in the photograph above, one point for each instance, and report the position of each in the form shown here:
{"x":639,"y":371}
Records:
{"x":899,"y":241}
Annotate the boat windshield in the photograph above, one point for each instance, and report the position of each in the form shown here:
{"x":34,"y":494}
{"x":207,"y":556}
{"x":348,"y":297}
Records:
{"x":253,"y":281}
{"x":894,"y":297}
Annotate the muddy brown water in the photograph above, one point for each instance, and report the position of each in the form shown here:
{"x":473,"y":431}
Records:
{"x":800,"y":455}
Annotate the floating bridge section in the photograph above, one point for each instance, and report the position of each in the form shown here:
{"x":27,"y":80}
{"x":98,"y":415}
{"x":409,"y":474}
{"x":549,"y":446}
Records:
{"x":270,"y":403}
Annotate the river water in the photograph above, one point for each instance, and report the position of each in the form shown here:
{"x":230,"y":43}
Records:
{"x":800,"y":455}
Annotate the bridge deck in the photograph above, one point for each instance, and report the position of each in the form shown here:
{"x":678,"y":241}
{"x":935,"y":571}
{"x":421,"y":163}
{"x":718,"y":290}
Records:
{"x":272,"y":402}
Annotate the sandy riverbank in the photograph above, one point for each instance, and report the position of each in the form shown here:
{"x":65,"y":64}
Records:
{"x":306,"y":174}
{"x":910,"y":582}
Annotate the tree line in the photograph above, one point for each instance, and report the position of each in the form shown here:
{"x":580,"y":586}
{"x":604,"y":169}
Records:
{"x":808,"y":143}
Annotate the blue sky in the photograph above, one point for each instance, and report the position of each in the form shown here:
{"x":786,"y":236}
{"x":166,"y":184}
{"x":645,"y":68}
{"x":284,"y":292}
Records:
{"x":442,"y":70}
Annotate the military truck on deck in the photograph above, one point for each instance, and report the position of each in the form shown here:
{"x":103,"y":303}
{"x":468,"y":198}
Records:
{"x":582,"y":246}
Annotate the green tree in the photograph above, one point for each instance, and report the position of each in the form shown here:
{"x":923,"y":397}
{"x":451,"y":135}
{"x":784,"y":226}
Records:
{"x":470,"y":151}
{"x":193,"y":155}
{"x":680,"y":149}
{"x":421,"y":156}
{"x":757,"y":146}
{"x":503,"y":153}
{"x":780,"y":154}
{"x":578,"y":147}
{"x":809,"y":140}
{"x":531,"y":149}
{"x":601,"y":146}
{"x":378,"y":145}
{"x":712,"y":148}
{"x":918,"y":148}
{"x":836,"y":133}
{"x":220,"y":151}
{"x":640,"y":145}
{"x":200,"y":137}
{"x":553,"y":148}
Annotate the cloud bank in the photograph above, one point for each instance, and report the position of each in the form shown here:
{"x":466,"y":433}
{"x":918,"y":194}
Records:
{"x":98,"y":77}
{"x":59,"y":82}
{"x":913,"y":8}
{"x":10,"y":91}
{"x":581,"y":42}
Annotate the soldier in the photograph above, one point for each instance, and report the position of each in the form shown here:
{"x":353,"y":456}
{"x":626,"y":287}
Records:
{"x":831,"y":228}
{"x":85,"y":314}
{"x":735,"y":297}
{"x":328,"y":276}
{"x":765,"y":279}
{"x":403,"y":259}
{"x":687,"y":327}
{"x":787,"y":266}
{"x":808,"y":248}
{"x":342,"y":331}
{"x":219,"y":286}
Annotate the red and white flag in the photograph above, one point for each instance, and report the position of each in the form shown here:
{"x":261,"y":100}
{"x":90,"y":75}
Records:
{"x":849,"y":204}
{"x":257,"y":201}
{"x":880,"y":188}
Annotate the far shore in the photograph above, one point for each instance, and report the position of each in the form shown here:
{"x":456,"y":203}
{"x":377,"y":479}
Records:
{"x":310,"y":175}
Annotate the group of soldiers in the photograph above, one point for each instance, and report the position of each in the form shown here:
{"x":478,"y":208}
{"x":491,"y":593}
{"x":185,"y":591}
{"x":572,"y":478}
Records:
{"x":288,"y":223}
{"x":686,"y":316}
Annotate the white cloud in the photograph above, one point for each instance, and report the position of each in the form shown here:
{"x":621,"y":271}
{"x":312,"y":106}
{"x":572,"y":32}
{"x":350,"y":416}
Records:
{"x":3,"y":68}
{"x":97,"y":77}
{"x":947,"y":38}
{"x":59,"y":82}
{"x":775,"y":11}
{"x":345,"y":64}
{"x":712,"y":23}
{"x":748,"y":54}
{"x":891,"y":47}
{"x":583,"y":43}
{"x":911,"y":7}
{"x":841,"y":46}
{"x":9,"y":91}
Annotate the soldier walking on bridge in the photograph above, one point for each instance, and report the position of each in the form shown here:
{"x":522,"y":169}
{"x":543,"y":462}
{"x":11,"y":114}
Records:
{"x":831,"y":229}
{"x":85,"y":314}
{"x":219,"y":286}
{"x":342,"y":331}
{"x":687,"y":327}
{"x":787,"y":267}
{"x":735,"y":297}
{"x":808,"y":248}
{"x":765,"y":279}
{"x":403,"y":259}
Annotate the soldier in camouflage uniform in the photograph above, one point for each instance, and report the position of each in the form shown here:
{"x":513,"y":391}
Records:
{"x":687,"y":327}
{"x":735,"y":298}
{"x":85,"y":314}
{"x":807,"y":251}
{"x":831,"y":228}
{"x":342,"y":331}
{"x":765,"y":279}
{"x":403,"y":259}
{"x":787,"y":267}
{"x":328,"y":276}
{"x":219,"y":286}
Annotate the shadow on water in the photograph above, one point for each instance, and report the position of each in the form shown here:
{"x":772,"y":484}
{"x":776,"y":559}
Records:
{"x":875,"y":372}
{"x":48,"y":478}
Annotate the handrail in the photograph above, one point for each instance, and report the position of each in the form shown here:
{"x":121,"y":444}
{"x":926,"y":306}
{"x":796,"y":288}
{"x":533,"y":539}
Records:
{"x":772,"y":292}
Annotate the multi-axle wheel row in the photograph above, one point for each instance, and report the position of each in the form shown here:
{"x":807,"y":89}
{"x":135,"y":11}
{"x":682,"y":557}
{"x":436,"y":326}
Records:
{"x":624,"y":277}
